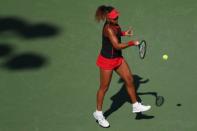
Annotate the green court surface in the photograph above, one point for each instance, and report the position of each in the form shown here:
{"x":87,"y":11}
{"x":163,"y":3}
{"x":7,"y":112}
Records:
{"x":48,"y":75}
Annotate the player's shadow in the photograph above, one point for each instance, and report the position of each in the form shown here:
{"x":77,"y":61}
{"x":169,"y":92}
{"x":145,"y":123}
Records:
{"x":27,"y":30}
{"x":122,"y":97}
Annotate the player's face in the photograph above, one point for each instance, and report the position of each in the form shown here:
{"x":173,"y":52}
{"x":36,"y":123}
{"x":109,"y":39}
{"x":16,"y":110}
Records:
{"x":115,"y":20}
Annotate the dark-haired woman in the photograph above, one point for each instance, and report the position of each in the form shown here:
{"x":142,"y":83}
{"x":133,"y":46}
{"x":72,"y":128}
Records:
{"x":110,"y":59}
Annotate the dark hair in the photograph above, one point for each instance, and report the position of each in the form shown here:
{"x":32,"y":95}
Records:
{"x":102,"y":11}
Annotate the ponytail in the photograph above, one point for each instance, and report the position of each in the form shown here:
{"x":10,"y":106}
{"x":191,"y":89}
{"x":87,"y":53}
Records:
{"x":102,"y":11}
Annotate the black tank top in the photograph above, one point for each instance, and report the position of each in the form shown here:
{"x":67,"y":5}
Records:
{"x":107,"y":49}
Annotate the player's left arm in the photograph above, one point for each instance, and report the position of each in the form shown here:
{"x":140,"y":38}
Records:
{"x":128,"y":32}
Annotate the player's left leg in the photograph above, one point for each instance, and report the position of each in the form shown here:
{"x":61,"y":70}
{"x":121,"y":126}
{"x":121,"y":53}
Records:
{"x":125,"y":73}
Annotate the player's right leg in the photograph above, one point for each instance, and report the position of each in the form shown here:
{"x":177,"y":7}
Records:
{"x":105,"y":79}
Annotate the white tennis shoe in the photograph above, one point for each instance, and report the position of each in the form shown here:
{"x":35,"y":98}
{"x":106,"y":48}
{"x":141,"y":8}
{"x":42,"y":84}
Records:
{"x":101,"y":120}
{"x":138,"y":107}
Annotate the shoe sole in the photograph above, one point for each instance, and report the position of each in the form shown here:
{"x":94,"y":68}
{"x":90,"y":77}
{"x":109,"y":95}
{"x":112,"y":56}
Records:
{"x":101,"y":125}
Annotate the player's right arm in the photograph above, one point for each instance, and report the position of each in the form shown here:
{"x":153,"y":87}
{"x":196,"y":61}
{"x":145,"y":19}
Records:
{"x":114,"y":40}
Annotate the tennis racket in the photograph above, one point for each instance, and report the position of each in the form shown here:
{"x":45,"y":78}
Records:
{"x":159,"y":100}
{"x":142,"y":49}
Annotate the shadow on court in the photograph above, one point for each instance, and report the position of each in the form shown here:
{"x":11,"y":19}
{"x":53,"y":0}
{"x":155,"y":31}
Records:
{"x":121,"y":97}
{"x":25,"y":61}
{"x":18,"y":27}
{"x":22,"y":61}
{"x":5,"y":49}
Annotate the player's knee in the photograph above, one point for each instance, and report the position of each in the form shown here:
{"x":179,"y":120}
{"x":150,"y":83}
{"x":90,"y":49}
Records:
{"x":103,"y":87}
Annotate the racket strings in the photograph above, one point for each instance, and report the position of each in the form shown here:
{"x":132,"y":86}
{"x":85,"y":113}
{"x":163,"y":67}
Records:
{"x":142,"y":49}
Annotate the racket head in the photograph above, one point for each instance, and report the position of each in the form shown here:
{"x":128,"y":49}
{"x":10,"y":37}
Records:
{"x":142,"y":49}
{"x":159,"y":101}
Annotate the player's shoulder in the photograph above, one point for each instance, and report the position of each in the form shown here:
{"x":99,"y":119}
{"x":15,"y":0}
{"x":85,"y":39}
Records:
{"x":108,"y":27}
{"x":111,"y":28}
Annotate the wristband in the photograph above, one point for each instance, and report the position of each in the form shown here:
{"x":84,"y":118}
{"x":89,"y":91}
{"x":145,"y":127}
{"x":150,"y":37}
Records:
{"x":123,"y":33}
{"x":131,"y":43}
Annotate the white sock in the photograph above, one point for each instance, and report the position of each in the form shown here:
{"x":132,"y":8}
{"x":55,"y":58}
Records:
{"x":99,"y":112}
{"x":135,"y":104}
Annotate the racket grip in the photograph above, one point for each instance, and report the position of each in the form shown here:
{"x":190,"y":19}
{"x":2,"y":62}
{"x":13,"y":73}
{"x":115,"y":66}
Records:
{"x":131,"y":43}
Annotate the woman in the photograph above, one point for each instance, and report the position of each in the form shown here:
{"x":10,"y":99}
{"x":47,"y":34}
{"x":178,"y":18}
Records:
{"x":110,"y":59}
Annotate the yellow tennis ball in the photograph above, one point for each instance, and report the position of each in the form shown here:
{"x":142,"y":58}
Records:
{"x":165,"y":57}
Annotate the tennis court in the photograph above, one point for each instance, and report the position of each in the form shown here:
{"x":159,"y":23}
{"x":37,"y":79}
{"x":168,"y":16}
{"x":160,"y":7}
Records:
{"x":48,"y":75}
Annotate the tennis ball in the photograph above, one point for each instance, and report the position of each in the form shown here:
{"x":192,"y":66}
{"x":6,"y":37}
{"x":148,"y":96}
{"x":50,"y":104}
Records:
{"x":165,"y":57}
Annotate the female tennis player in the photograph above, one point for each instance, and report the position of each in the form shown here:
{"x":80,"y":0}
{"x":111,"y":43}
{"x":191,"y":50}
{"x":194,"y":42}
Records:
{"x":110,"y":59}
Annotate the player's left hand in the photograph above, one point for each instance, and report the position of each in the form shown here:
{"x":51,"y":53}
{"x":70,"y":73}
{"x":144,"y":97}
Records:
{"x":129,"y":32}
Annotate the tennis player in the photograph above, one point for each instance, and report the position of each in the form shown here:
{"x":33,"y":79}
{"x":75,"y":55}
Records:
{"x":110,"y":59}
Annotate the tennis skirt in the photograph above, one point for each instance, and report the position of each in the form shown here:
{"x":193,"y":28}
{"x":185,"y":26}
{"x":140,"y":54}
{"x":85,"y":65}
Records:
{"x":108,"y":64}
